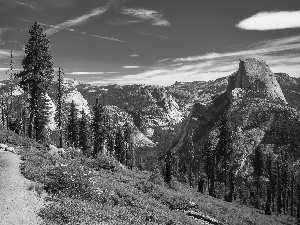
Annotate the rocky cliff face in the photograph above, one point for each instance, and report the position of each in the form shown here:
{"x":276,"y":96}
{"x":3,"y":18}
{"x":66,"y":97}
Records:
{"x":257,"y":114}
{"x":256,"y":77}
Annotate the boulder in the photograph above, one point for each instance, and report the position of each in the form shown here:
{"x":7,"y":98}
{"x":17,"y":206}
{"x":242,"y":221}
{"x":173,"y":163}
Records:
{"x":54,"y":151}
{"x":3,"y":146}
{"x":10,"y":149}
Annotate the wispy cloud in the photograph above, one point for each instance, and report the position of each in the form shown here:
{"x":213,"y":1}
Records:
{"x":134,"y":55}
{"x":131,"y":67}
{"x":271,"y":21}
{"x":80,"y":32}
{"x":282,"y":55}
{"x":5,"y":53}
{"x":154,"y":35}
{"x":108,"y":38}
{"x":2,"y":30}
{"x":25,"y":4}
{"x":90,"y":73}
{"x":76,"y":21}
{"x":153,"y":16}
{"x":4,"y":69}
{"x":119,"y":22}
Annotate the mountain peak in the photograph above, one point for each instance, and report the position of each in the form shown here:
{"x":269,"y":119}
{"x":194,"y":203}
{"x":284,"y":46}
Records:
{"x":255,"y":76}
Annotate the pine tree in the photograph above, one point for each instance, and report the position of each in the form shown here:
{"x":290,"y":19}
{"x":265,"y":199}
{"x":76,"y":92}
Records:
{"x":298,"y":201}
{"x":41,"y":118}
{"x":169,"y":165}
{"x":284,"y":180}
{"x":191,"y":156}
{"x":224,"y":152}
{"x":210,"y":167}
{"x":36,"y":76}
{"x":279,"y":187}
{"x":119,"y":146}
{"x":127,"y":142}
{"x":98,"y":128}
{"x":73,"y":126}
{"x":292,"y":192}
{"x":84,"y":134}
{"x":271,"y":172}
{"x":268,"y":202}
{"x":257,"y":164}
{"x":11,"y":73}
{"x":60,"y":116}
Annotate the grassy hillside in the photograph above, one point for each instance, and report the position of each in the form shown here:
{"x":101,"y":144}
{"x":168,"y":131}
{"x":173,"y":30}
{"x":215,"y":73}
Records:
{"x":101,"y":191}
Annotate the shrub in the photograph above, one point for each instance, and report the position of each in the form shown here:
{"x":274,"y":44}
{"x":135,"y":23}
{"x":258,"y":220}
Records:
{"x":156,"y":178}
{"x":175,"y":184}
{"x":72,"y":179}
{"x":105,"y":162}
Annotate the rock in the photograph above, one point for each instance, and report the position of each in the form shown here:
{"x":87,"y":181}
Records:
{"x":255,"y":77}
{"x":10,"y":149}
{"x":54,"y":151}
{"x":3,"y":146}
{"x":257,"y":114}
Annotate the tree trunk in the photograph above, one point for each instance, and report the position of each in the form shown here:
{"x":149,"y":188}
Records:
{"x":298,"y":206}
{"x":212,"y":191}
{"x":279,"y":205}
{"x":3,"y":116}
{"x":292,"y":195}
{"x":201,"y":186}
{"x":31,"y":115}
{"x":231,"y":186}
{"x":268,"y":202}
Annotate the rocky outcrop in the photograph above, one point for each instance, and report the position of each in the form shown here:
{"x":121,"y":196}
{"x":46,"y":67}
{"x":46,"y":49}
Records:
{"x":256,"y":78}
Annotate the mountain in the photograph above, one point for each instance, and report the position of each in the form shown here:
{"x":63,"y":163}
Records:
{"x":157,"y":110}
{"x":256,"y":110}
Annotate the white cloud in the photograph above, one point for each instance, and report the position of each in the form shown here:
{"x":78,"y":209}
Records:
{"x":76,"y":21}
{"x":271,"y":21}
{"x":148,"y":15}
{"x":130,"y":67}
{"x":134,"y":55}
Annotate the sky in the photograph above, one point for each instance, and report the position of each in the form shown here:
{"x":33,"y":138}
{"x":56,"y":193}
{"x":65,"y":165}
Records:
{"x":157,"y":42}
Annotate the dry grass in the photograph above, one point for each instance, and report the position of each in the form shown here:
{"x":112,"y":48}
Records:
{"x":86,"y":191}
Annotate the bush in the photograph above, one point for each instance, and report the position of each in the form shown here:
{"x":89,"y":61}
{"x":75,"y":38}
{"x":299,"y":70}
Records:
{"x":72,"y":179}
{"x":105,"y":162}
{"x":175,"y":184}
{"x":156,"y":178}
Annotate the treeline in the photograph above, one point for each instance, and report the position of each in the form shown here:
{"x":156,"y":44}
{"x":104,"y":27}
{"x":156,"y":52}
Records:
{"x":271,"y":182}
{"x":28,"y":113}
{"x":100,"y":135}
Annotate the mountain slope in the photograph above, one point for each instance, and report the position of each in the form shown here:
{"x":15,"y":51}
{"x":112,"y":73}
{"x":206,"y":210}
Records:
{"x":256,"y":112}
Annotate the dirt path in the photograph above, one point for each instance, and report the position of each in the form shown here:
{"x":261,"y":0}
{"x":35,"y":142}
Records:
{"x":18,"y":205}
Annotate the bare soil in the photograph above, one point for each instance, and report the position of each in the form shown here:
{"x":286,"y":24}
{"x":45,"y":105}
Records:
{"x":18,"y":205}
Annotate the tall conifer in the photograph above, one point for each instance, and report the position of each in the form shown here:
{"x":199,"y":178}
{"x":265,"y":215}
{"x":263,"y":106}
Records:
{"x":36,"y":76}
{"x":73,"y":126}
{"x":84,"y":134}
{"x":98,"y":128}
